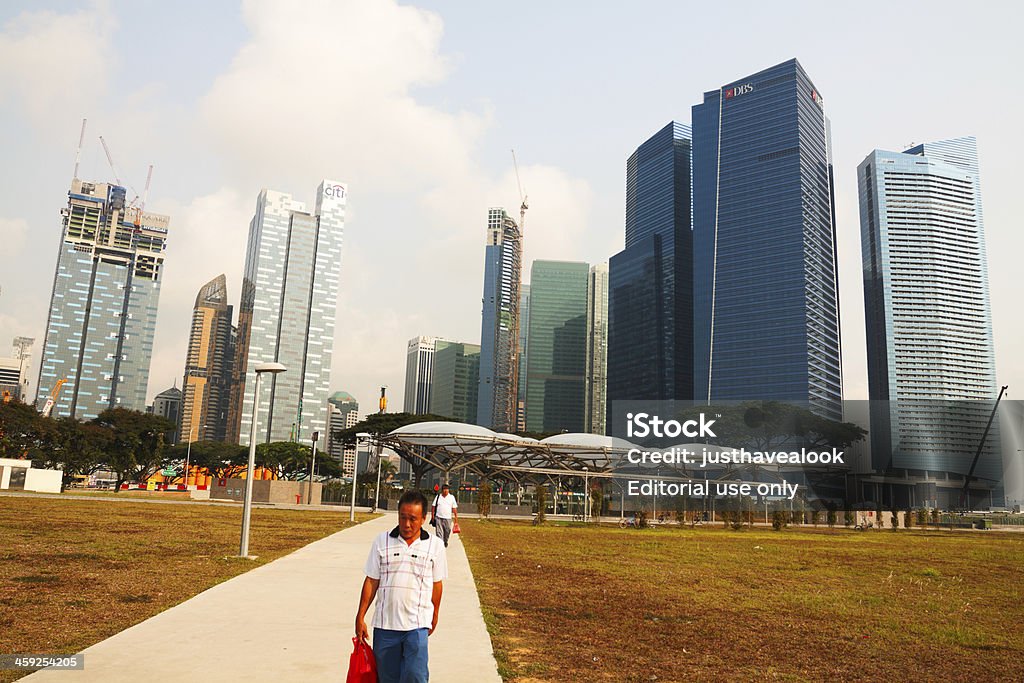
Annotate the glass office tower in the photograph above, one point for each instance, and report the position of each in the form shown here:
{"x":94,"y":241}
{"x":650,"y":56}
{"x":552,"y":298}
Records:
{"x":557,"y":342}
{"x":931,"y":365}
{"x":766,"y":315}
{"x":456,"y":381}
{"x":289,"y":296}
{"x":498,"y":399}
{"x":650,"y":342}
{"x":99,"y":333}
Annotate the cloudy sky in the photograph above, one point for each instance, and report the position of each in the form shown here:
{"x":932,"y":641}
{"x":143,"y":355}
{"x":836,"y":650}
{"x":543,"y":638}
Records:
{"x":417,"y":107}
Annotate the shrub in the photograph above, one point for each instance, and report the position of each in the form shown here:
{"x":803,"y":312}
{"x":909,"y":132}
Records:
{"x":848,"y":518}
{"x":908,"y":518}
{"x":483,"y":499}
{"x":778,"y":520}
{"x":541,"y":502}
{"x":830,"y":518}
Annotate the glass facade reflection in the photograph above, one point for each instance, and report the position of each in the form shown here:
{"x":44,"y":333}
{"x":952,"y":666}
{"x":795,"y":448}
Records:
{"x":289,"y":296}
{"x":650,"y":334}
{"x":766,"y":304}
{"x":557,"y":343}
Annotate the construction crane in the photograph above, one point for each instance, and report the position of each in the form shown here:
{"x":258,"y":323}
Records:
{"x":513,"y":411}
{"x":78,"y":154}
{"x":110,"y":160}
{"x":523,"y":205}
{"x":51,"y":400}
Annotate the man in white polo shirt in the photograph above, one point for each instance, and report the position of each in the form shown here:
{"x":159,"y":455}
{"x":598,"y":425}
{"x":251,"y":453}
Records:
{"x":404,"y":572}
{"x":445,"y":510}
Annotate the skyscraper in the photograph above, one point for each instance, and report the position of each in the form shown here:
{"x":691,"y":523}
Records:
{"x":342,"y":413}
{"x":14,"y":370}
{"x":931,"y":366}
{"x":167,"y":404}
{"x":289,"y":295}
{"x":766,"y":315}
{"x":419,"y":373}
{"x":99,"y":333}
{"x":555,"y":371}
{"x":650,"y":339}
{"x":499,"y":331}
{"x":456,"y":381}
{"x":596,"y":374}
{"x":207,"y":383}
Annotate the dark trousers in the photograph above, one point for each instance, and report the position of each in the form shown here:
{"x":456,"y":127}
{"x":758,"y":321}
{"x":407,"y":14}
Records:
{"x":444,"y":529}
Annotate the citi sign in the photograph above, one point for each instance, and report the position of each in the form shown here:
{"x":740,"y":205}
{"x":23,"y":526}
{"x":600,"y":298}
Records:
{"x":738,"y":90}
{"x":334,"y":191}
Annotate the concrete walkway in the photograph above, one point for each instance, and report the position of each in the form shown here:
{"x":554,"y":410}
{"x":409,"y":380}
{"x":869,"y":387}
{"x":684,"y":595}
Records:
{"x":289,"y":620}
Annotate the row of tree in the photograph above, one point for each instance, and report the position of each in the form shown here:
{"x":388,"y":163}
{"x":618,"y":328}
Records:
{"x":131,"y":445}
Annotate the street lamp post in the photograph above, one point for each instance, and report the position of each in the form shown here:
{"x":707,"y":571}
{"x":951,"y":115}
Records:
{"x":312,"y":469}
{"x":272,"y":368}
{"x":586,"y":492}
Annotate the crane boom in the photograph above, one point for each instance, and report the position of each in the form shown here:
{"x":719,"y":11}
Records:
{"x":52,"y":398}
{"x":145,"y":192}
{"x":78,"y":154}
{"x":110,"y":160}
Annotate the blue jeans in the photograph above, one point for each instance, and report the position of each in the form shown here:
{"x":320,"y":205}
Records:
{"x":401,"y":655}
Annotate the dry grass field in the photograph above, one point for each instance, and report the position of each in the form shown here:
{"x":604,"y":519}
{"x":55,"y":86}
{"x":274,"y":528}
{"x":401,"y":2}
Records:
{"x":74,"y":571}
{"x":583,"y":603}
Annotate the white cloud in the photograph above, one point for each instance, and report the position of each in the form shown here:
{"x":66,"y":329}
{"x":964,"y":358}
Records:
{"x":52,"y":59}
{"x":330,"y":92}
{"x":13,"y":232}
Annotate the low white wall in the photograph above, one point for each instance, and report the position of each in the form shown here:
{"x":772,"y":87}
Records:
{"x":43,"y":481}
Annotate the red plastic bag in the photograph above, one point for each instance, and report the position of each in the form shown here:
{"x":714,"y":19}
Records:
{"x":362,"y":667}
{"x":456,"y":529}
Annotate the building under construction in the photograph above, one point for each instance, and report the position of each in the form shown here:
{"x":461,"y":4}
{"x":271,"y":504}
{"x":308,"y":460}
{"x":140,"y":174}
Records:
{"x":497,"y":402}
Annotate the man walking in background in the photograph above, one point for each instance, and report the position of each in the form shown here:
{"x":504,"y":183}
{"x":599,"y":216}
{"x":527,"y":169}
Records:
{"x":445,"y":511}
{"x":404,"y":572}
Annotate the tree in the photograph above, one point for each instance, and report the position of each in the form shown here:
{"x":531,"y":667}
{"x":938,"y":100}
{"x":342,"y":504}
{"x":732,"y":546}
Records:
{"x":766,"y":425}
{"x":541,"y":490}
{"x":379,"y":424}
{"x":830,"y":517}
{"x":22,"y":430}
{"x":136,"y":448}
{"x":291,"y":460}
{"x":77,"y":448}
{"x":221,"y":460}
{"x":483,"y":499}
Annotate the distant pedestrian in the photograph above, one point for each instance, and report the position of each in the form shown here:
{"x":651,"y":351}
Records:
{"x":445,"y":511}
{"x":404,"y":573}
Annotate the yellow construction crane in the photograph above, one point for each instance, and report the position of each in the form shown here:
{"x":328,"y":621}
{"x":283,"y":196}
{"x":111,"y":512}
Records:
{"x":51,"y":400}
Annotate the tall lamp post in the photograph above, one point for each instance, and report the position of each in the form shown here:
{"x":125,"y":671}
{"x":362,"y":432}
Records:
{"x":272,"y":368}
{"x":586,"y":492}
